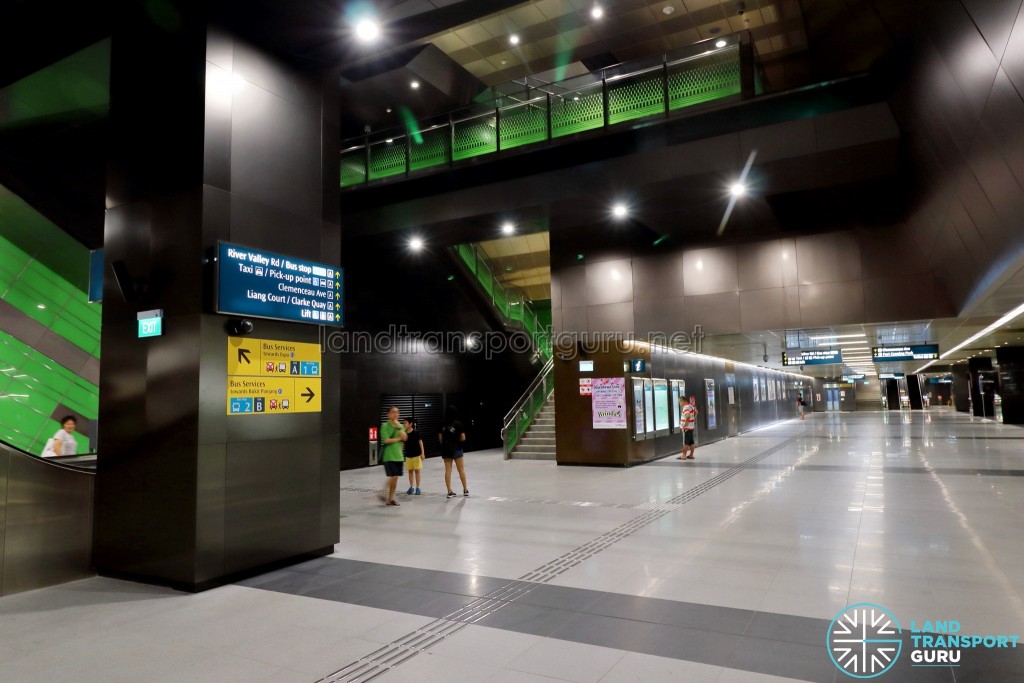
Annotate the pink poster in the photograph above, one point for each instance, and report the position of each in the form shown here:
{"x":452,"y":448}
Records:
{"x":608,"y":402}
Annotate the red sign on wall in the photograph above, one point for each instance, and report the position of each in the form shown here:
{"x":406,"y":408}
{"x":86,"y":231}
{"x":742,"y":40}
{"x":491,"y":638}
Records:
{"x":373,"y":433}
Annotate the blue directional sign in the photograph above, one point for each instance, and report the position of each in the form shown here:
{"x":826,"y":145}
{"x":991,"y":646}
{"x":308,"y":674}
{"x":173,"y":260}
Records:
{"x":812,"y":357}
{"x":261,"y":284}
{"x":910,"y":352}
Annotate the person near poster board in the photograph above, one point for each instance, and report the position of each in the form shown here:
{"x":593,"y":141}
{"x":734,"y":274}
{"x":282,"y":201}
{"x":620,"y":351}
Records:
{"x":688,"y":421}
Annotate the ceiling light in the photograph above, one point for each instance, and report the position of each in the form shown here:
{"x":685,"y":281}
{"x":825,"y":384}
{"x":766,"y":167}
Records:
{"x":367,"y":30}
{"x":720,"y":43}
{"x":508,"y":228}
{"x":514,"y":39}
{"x":596,"y":12}
{"x":415,"y":244}
{"x":738,"y":189}
{"x":999,"y":323}
{"x":620,"y":211}
{"x":835,"y":343}
{"x":40,"y":306}
{"x":615,"y":275}
{"x":668,"y":9}
{"x":838,"y":336}
{"x":415,"y":85}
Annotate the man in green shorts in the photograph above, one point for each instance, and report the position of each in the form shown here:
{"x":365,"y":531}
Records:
{"x":392,"y":436}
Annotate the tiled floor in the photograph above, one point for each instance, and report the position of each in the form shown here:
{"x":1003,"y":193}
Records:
{"x":919,"y":512}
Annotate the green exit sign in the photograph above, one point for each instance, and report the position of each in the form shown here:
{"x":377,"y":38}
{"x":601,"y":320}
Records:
{"x":151,"y":323}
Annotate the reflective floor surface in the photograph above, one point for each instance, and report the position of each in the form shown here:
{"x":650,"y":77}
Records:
{"x":728,"y":568}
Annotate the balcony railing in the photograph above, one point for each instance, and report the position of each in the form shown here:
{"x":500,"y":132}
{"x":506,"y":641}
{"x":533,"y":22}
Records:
{"x":532,"y":111}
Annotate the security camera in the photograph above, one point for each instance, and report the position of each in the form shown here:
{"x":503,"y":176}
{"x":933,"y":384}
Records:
{"x":240,"y":328}
{"x":765,"y":358}
{"x":740,"y":9}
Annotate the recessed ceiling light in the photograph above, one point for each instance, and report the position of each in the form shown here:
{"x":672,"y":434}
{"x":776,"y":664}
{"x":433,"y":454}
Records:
{"x":837,"y":336}
{"x":40,"y":306}
{"x":738,"y":189}
{"x":415,"y":244}
{"x":668,"y":9}
{"x":415,"y":85}
{"x":367,"y":30}
{"x":508,"y":228}
{"x":596,"y":12}
{"x":720,"y":43}
{"x":620,"y":210}
{"x":514,"y":39}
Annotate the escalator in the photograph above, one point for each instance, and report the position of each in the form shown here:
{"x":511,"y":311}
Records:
{"x":46,"y":516}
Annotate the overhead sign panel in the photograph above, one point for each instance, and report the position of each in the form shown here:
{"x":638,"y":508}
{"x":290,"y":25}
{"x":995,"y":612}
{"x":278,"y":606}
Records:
{"x":812,"y":357}
{"x":269,"y":376}
{"x":262,"y":284}
{"x":910,"y":352}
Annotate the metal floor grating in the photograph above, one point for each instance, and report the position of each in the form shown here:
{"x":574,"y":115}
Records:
{"x":393,"y":654}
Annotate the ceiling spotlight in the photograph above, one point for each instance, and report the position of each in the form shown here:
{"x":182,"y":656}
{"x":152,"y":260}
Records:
{"x":415,"y":85}
{"x":720,"y":43}
{"x":508,"y":228}
{"x":367,"y":30}
{"x":596,"y":12}
{"x":620,"y":211}
{"x":415,"y":244}
{"x":668,"y":9}
{"x":514,"y":39}
{"x":738,"y":189}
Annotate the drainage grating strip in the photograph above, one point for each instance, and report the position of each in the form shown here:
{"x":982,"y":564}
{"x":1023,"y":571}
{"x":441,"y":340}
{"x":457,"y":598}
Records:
{"x":396,"y":653}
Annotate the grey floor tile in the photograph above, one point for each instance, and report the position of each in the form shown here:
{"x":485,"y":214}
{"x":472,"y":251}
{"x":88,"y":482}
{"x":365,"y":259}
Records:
{"x":396,"y":575}
{"x":401,"y":599}
{"x":787,"y":628}
{"x":335,"y":566}
{"x":532,"y":619}
{"x":348,"y":590}
{"x":296,"y":583}
{"x":790,"y":660}
{"x":460,"y":584}
{"x":448,"y":605}
{"x":686,"y":614}
{"x":561,"y":597}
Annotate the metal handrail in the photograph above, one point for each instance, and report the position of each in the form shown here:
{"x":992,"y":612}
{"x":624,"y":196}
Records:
{"x":518,"y":410}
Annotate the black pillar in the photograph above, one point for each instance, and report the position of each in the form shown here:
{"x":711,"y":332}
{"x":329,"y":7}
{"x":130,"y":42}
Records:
{"x":892,"y":394}
{"x":1011,"y":383}
{"x":983,"y":383}
{"x":961,"y":389}
{"x":914,"y":392}
{"x":211,"y":139}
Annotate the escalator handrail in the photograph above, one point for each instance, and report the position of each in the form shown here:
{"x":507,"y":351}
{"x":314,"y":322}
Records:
{"x":48,"y":461}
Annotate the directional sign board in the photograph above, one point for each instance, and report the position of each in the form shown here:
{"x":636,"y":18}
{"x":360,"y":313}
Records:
{"x":910,"y":352}
{"x":262,"y":284}
{"x":269,"y":376}
{"x":812,"y":357}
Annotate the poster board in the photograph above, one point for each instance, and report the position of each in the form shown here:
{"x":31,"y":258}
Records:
{"x":639,"y":433}
{"x":709,"y":390}
{"x":661,"y":407}
{"x":608,"y":403}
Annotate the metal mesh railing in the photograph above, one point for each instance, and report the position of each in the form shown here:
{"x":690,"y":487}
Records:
{"x":520,"y":114}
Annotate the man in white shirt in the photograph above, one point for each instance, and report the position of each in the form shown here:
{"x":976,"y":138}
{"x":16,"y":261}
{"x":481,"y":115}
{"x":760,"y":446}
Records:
{"x":688,"y":421}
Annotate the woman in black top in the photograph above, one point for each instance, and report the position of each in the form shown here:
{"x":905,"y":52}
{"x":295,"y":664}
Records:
{"x":453,"y":438}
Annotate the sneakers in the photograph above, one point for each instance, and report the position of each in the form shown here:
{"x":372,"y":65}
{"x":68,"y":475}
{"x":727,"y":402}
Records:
{"x":418,"y":492}
{"x":409,"y":492}
{"x":451,"y":494}
{"x":466,"y":494}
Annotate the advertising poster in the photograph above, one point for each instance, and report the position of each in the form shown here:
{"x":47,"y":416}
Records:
{"x":660,"y":405}
{"x":676,"y":407}
{"x":732,"y":397}
{"x":709,"y":385}
{"x":608,"y":402}
{"x":649,"y":406}
{"x":638,"y":407}
{"x":757,"y":391}
{"x":764,"y":390}
{"x":771,"y":390}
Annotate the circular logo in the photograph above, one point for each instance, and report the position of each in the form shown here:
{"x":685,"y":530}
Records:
{"x":864,"y":640}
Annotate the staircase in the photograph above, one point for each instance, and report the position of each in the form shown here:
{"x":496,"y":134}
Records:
{"x":538,"y":442}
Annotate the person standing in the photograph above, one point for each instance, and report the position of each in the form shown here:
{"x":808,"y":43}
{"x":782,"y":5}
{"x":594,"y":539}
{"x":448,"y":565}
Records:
{"x":392,"y":435}
{"x":62,"y":443}
{"x":453,"y":439}
{"x":414,"y":455}
{"x":800,"y":406}
{"x":688,"y":421}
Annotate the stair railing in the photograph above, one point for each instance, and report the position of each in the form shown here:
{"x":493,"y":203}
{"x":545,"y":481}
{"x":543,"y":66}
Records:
{"x":518,"y":420}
